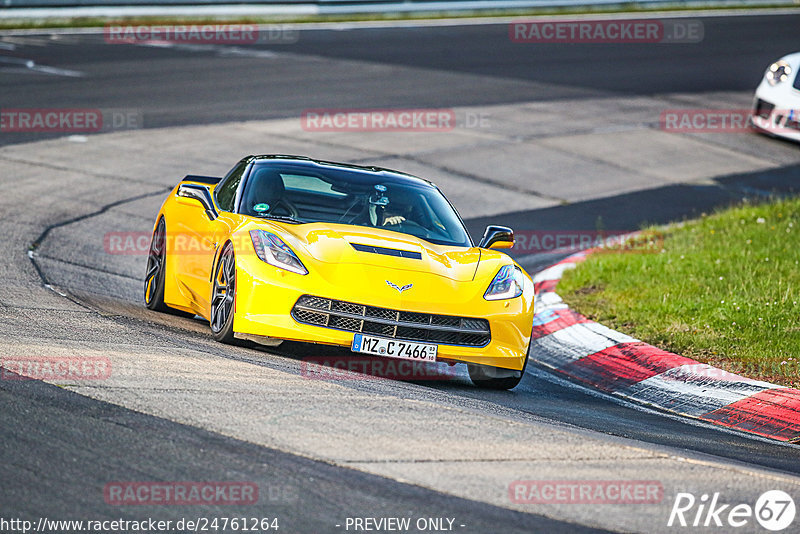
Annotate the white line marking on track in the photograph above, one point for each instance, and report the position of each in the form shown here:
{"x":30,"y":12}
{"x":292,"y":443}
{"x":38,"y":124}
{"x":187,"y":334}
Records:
{"x":44,"y":69}
{"x":220,"y":50}
{"x":22,"y":65}
{"x":27,"y":41}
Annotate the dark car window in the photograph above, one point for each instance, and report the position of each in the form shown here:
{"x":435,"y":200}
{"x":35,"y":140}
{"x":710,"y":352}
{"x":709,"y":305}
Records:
{"x":351,"y":197}
{"x":225,"y":194}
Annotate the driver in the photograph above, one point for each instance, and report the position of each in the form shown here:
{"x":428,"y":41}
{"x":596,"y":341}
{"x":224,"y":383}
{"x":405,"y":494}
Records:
{"x":378,"y":214}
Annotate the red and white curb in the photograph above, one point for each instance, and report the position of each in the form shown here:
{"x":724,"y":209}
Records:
{"x":615,"y":363}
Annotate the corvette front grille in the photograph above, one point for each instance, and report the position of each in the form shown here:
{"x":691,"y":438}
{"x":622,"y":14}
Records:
{"x":414,"y":326}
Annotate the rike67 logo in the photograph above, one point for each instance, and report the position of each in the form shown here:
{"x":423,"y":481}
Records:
{"x":774,"y":510}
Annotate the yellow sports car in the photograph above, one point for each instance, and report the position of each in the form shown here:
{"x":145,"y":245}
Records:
{"x":290,"y":248}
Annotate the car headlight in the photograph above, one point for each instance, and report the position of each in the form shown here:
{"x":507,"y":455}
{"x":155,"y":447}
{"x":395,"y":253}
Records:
{"x":271,"y":249}
{"x":778,"y":72}
{"x":507,"y":284}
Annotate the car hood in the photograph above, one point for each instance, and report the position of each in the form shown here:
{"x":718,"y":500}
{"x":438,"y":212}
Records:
{"x":371,"y":247}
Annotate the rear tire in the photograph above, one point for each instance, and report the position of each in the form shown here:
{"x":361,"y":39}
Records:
{"x":156,"y":273}
{"x":488,"y":377}
{"x":223,"y":296}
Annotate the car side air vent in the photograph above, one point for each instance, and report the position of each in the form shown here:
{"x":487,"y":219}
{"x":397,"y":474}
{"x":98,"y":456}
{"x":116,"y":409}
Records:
{"x":387,"y":251}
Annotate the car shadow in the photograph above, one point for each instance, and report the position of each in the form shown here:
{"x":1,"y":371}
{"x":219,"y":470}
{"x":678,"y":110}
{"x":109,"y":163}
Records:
{"x":633,"y":211}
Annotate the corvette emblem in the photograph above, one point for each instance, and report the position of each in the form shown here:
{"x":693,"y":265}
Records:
{"x":400,"y":289}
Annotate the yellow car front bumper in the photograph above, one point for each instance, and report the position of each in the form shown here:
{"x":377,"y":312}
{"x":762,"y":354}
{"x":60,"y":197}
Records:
{"x":266,"y":295}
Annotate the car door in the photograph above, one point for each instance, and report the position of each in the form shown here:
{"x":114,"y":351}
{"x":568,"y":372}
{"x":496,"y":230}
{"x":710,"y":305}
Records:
{"x":199,"y":236}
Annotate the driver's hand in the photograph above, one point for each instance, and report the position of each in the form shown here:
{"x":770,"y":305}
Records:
{"x":394,"y":219}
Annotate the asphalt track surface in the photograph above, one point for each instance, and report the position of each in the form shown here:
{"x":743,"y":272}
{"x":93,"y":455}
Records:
{"x":180,"y":86}
{"x":43,"y":424}
{"x":45,"y":428}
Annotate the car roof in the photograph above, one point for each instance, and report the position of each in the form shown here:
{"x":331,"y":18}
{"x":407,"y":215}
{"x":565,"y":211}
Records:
{"x":372,"y":170}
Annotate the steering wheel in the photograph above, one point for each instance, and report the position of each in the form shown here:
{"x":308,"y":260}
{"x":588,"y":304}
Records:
{"x":293,"y":213}
{"x":408,"y":225}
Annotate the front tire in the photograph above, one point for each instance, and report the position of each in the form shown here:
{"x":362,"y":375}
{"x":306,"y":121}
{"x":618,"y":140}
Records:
{"x":488,"y":377}
{"x":156,"y":273}
{"x":223,"y":296}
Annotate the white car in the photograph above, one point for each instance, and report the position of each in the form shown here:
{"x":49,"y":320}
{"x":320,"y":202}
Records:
{"x":776,"y":106}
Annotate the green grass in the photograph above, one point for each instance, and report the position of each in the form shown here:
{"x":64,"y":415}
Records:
{"x":723,"y":289}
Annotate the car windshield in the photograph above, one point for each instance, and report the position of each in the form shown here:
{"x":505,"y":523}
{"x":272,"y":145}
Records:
{"x":301,"y":194}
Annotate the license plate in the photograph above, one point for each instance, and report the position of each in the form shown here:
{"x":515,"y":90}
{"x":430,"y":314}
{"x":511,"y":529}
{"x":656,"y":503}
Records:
{"x":394,"y":348}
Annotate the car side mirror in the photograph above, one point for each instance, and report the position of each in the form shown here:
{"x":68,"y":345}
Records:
{"x":497,"y":237}
{"x":201,"y":194}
